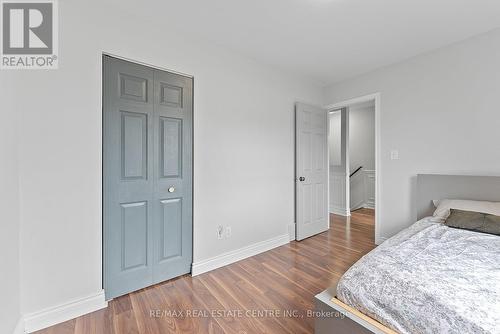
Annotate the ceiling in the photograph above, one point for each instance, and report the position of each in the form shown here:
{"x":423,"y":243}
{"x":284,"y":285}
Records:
{"x":328,"y":40}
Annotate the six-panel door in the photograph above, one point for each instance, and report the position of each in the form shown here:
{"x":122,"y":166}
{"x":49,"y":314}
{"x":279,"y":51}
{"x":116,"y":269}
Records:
{"x":147,"y":158}
{"x":311,"y":167}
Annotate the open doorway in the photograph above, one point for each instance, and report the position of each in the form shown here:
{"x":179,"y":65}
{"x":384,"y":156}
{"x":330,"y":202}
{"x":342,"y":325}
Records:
{"x":352,"y":147}
{"x":323,"y":168}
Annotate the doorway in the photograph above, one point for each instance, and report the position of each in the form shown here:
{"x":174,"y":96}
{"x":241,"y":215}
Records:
{"x":351,"y":146}
{"x":353,"y":161}
{"x":147,"y":175}
{"x":318,"y":179}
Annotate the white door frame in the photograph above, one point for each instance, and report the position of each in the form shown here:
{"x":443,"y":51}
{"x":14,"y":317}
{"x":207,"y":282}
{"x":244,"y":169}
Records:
{"x":360,"y":99}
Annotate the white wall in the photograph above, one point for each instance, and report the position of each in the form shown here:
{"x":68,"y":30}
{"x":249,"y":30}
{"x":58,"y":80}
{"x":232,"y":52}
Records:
{"x":361,"y":151}
{"x":335,"y":139}
{"x":9,"y":208}
{"x":243,"y":148}
{"x":441,"y":111}
{"x":362,"y":136}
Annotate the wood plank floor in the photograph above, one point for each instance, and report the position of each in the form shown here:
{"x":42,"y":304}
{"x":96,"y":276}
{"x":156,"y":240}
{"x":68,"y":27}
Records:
{"x":267,"y":293}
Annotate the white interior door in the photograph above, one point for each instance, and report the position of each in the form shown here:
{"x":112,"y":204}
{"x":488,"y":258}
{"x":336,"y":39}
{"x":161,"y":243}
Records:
{"x":311,"y":168}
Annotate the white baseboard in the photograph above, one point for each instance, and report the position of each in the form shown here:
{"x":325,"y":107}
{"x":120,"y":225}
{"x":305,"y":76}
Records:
{"x":238,"y":254}
{"x":67,"y":311}
{"x":291,"y":231}
{"x":359,"y":205}
{"x":356,"y":207}
{"x":379,"y":240}
{"x":362,"y":206}
{"x":19,"y":327}
{"x":340,"y":211}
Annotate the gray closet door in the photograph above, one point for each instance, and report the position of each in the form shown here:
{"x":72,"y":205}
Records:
{"x":147,"y":176}
{"x":172,"y":228}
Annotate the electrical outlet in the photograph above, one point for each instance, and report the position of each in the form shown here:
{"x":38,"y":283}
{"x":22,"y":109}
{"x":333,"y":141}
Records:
{"x":228,"y":231}
{"x":220,"y":232}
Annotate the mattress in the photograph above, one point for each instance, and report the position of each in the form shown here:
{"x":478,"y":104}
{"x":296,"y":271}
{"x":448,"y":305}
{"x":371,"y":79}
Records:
{"x":429,"y":278}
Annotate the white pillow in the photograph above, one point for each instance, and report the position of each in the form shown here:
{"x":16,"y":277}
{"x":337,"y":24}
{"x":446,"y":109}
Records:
{"x":443,"y":207}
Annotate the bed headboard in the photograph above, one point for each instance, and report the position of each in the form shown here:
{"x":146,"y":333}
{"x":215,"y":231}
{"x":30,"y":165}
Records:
{"x":432,"y":186}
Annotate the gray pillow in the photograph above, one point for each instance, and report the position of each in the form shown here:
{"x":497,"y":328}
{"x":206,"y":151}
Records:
{"x":474,"y":221}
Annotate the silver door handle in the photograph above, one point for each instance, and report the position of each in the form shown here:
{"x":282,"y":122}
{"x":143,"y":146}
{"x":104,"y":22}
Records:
{"x":171,"y":189}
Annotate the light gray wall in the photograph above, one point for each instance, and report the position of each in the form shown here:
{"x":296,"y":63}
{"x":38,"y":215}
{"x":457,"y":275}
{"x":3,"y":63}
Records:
{"x":362,"y":136}
{"x":441,"y":111}
{"x":243,"y":148}
{"x":361,"y":150}
{"x":9,"y":208}
{"x":335,"y":139}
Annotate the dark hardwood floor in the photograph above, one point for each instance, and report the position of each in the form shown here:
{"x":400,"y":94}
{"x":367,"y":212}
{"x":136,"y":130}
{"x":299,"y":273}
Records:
{"x":267,"y":293}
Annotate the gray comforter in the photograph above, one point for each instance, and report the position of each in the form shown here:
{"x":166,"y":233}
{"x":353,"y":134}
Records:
{"x":429,"y":278}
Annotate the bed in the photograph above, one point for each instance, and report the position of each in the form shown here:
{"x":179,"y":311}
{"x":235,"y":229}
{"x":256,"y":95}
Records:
{"x":429,"y":278}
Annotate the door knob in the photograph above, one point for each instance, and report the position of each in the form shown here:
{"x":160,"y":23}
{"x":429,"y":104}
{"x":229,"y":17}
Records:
{"x":171,"y":189}
{"x":301,"y":179}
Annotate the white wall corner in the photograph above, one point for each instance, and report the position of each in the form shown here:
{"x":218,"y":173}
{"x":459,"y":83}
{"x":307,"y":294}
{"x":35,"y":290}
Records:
{"x":291,"y":231}
{"x":379,"y":240}
{"x":238,"y":254}
{"x":340,"y":211}
{"x":19,"y":327}
{"x":358,"y":205}
{"x":64,"y":312}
